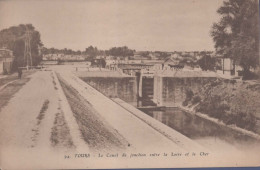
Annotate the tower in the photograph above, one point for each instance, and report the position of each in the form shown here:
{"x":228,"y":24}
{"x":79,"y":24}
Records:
{"x":27,"y":49}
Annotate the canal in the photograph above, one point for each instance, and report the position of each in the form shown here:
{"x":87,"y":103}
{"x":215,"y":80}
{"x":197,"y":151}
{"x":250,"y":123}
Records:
{"x":205,"y":132}
{"x":210,"y":134}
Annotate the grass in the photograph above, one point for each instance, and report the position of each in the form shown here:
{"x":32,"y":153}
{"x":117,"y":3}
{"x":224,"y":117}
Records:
{"x":60,"y":133}
{"x":53,"y":81}
{"x":96,"y":132}
{"x":42,"y":111}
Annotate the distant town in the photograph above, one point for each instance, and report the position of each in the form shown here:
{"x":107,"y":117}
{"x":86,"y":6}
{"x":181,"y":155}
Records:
{"x":187,"y":60}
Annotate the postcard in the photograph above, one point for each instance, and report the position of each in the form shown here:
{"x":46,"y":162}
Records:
{"x":99,"y":84}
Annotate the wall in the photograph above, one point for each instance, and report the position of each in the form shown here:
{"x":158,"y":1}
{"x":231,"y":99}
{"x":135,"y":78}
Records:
{"x":1,"y":66}
{"x":123,"y":87}
{"x":169,"y":91}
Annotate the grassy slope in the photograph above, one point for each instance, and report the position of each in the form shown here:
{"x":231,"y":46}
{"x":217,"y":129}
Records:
{"x":240,"y":97}
{"x":98,"y":134}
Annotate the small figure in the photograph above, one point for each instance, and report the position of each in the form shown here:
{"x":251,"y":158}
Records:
{"x":20,"y":72}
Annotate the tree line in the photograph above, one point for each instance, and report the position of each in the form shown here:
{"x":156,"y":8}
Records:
{"x":92,"y":51}
{"x":13,"y":38}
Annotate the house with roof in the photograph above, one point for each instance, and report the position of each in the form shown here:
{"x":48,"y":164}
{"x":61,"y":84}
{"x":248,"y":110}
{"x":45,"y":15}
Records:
{"x":228,"y":66}
{"x":154,"y":56}
{"x":170,"y":63}
{"x":6,"y":61}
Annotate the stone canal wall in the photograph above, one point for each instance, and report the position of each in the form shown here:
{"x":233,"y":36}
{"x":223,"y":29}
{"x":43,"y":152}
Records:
{"x":169,"y":91}
{"x":124,"y":88}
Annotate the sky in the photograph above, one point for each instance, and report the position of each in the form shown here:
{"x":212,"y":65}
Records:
{"x":163,"y":25}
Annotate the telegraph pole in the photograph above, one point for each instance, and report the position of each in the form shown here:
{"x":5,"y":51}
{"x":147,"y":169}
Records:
{"x":27,"y":49}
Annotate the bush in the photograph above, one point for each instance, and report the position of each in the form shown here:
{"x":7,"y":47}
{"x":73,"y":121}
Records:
{"x":248,"y":75}
{"x":185,"y":103}
{"x":215,"y":83}
{"x":189,"y":94}
{"x":215,"y":107}
{"x":233,"y":82}
{"x":5,"y":72}
{"x":195,"y":100}
{"x":229,"y":119}
{"x":246,"y":120}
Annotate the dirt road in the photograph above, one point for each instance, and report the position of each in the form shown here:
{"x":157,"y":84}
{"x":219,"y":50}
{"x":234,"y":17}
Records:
{"x":31,"y":119}
{"x":36,"y":118}
{"x":27,"y":120}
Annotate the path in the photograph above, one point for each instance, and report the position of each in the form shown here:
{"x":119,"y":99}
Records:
{"x":28,"y":119}
{"x":19,"y":117}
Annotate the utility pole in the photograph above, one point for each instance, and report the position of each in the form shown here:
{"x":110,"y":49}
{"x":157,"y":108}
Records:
{"x":27,"y":49}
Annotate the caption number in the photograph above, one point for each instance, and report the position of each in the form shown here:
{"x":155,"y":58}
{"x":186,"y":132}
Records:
{"x":66,"y":157}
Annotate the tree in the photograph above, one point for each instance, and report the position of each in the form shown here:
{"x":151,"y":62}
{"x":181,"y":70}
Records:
{"x":13,"y":38}
{"x":60,"y":51}
{"x":92,"y":52}
{"x":162,"y":55}
{"x":206,"y":63}
{"x":236,"y":35}
{"x":120,"y":52}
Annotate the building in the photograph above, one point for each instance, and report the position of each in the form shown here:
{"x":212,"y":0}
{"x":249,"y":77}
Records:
{"x":171,"y":63}
{"x":229,"y":67}
{"x":6,"y":61}
{"x":63,"y":57}
{"x":154,"y":56}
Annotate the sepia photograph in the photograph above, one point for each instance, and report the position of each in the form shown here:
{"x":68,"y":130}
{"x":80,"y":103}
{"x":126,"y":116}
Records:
{"x":108,"y":84}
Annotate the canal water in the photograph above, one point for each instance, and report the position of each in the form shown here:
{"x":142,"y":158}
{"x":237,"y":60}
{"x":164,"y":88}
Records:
{"x":205,"y":132}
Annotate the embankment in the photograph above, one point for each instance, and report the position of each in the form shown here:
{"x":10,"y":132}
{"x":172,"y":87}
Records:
{"x":230,"y":101}
{"x":96,"y":132}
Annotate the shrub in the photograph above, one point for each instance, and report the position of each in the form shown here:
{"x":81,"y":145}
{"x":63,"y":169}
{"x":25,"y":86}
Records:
{"x":233,"y":81}
{"x":189,"y":94}
{"x":229,"y":119}
{"x":246,"y":120}
{"x":185,"y":103}
{"x":248,"y":75}
{"x":215,"y":83}
{"x":195,"y":99}
{"x":5,"y":72}
{"x":213,"y":106}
